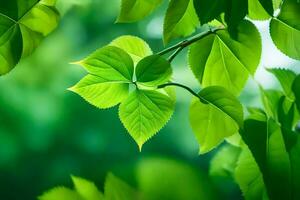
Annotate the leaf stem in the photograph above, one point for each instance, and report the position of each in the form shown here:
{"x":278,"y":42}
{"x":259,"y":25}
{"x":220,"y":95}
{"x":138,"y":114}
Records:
{"x":184,"y":87}
{"x":185,"y":43}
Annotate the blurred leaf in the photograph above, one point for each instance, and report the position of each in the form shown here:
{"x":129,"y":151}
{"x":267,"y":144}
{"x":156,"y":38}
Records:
{"x":134,"y":10}
{"x":144,"y":113}
{"x":285,"y":29}
{"x":153,"y":71}
{"x":61,"y":193}
{"x":160,"y":178}
{"x":268,"y":6}
{"x":23,"y":25}
{"x":86,"y":189}
{"x":180,"y":20}
{"x":224,"y":161}
{"x":219,"y":60}
{"x":296,"y":90}
{"x":270,"y":99}
{"x":134,"y":46}
{"x":256,"y":11}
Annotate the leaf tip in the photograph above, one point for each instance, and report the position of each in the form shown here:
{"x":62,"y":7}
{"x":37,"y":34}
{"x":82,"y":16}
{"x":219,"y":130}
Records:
{"x":76,"y":63}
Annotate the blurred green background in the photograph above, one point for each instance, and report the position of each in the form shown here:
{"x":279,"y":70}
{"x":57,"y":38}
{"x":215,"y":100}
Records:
{"x":48,"y":133}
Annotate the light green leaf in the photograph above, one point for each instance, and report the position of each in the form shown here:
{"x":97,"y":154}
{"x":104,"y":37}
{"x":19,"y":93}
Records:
{"x":153,"y":71}
{"x":268,"y":6}
{"x":256,"y":11}
{"x":222,"y":99}
{"x":270,"y":100}
{"x":219,"y":60}
{"x":144,"y":113}
{"x":23,"y":24}
{"x":116,"y":189}
{"x":224,"y":162}
{"x":134,"y":10}
{"x":100,"y":92}
{"x":180,"y":20}
{"x":249,"y":177}
{"x":110,"y":63}
{"x":134,"y":46}
{"x":286,"y":78}
{"x":285,"y":29}
{"x":86,"y":189}
{"x":61,"y":193}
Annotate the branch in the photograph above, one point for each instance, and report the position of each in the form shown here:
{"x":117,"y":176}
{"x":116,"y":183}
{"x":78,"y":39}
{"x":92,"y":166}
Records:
{"x":184,"y":87}
{"x":181,"y":45}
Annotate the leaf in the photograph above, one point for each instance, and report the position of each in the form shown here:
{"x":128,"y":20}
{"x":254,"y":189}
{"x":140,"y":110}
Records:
{"x":23,"y":24}
{"x":286,"y":78}
{"x":285,"y":29}
{"x":296,"y":90}
{"x":180,"y":20}
{"x":216,"y":120}
{"x":249,"y":177}
{"x":134,"y":46}
{"x":268,"y":6}
{"x":209,"y":10}
{"x":86,"y":189}
{"x":153,"y":71}
{"x":224,"y":162}
{"x":100,"y":92}
{"x":134,"y":10}
{"x":266,"y":142}
{"x":61,"y":193}
{"x":116,"y":189}
{"x":110,"y":63}
{"x":270,"y":99}
{"x":169,"y":179}
{"x":219,"y":60}
{"x":256,"y":11}
{"x":144,"y":113}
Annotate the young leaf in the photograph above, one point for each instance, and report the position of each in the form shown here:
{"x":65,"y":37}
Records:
{"x":23,"y":25}
{"x":180,"y":20}
{"x":219,"y":60}
{"x":285,"y":29}
{"x":100,"y":92}
{"x":153,"y":71}
{"x":86,"y":189}
{"x":249,"y":177}
{"x":215,"y":119}
{"x":134,"y":46}
{"x":144,"y":113}
{"x":134,"y":10}
{"x":110,"y":63}
{"x":286,"y":78}
{"x":61,"y":193}
{"x":116,"y":189}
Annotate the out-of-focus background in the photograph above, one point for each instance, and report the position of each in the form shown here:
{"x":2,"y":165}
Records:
{"x":48,"y":133}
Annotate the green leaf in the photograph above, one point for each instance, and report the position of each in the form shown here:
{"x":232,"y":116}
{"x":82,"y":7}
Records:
{"x":134,"y":46}
{"x":268,"y":6}
{"x":256,"y":11}
{"x":266,"y":142}
{"x":296,"y":90}
{"x":249,"y":177}
{"x":86,"y":189}
{"x":215,"y":119}
{"x":270,"y":99}
{"x":23,"y":24}
{"x":153,"y":71}
{"x":219,"y":60}
{"x":285,"y":29}
{"x":110,"y":63}
{"x":286,"y":78}
{"x":100,"y":92}
{"x":180,"y":20}
{"x":134,"y":10}
{"x":209,"y":10}
{"x":144,"y":113}
{"x":224,"y":162}
{"x":61,"y":193}
{"x":116,"y":189}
